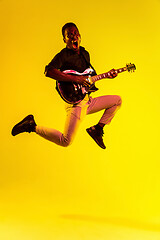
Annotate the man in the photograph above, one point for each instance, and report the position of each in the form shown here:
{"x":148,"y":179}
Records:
{"x":74,"y":57}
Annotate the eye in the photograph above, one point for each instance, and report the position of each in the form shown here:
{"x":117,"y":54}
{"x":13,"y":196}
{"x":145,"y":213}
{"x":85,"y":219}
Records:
{"x":70,"y":35}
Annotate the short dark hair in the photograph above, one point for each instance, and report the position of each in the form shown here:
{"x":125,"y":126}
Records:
{"x":67,"y":25}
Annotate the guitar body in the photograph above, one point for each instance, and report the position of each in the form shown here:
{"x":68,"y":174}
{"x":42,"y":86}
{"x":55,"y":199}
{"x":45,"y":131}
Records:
{"x":72,"y":92}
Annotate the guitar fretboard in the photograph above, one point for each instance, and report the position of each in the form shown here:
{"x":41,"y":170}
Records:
{"x":107,"y":74}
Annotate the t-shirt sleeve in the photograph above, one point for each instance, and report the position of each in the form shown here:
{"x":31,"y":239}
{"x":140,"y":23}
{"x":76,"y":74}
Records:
{"x":55,"y":63}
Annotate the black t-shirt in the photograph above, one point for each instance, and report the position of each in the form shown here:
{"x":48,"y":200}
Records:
{"x":68,"y":59}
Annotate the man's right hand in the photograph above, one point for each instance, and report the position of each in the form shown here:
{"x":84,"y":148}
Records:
{"x":84,"y":80}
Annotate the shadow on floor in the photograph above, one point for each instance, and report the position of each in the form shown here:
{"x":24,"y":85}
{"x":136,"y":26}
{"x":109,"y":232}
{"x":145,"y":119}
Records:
{"x":116,"y":221}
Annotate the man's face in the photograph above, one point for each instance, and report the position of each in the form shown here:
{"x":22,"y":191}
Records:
{"x":72,"y":38}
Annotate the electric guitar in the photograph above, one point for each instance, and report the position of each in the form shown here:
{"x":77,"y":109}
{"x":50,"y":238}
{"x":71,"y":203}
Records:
{"x":73,"y":93}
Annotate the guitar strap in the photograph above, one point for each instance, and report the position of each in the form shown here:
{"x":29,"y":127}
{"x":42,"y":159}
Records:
{"x":93,"y":88}
{"x":88,"y":63}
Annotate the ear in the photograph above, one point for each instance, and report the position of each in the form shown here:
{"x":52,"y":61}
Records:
{"x":64,"y":40}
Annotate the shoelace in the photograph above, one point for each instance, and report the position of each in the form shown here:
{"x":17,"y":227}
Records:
{"x":102,"y":132}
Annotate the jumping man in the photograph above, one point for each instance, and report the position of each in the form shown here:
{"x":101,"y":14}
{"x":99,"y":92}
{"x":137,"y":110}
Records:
{"x":74,"y":57}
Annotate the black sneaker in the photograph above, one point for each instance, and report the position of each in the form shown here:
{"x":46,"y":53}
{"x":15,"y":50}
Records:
{"x":97,"y":135}
{"x":26,"y":125}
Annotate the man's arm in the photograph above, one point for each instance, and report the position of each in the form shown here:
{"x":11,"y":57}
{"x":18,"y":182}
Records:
{"x":60,"y":76}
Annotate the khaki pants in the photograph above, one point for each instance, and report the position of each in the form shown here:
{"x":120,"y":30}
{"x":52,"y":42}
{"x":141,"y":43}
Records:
{"x":76,"y":113}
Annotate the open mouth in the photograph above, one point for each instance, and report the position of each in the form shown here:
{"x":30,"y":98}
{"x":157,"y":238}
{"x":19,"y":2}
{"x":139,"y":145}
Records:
{"x":75,"y":44}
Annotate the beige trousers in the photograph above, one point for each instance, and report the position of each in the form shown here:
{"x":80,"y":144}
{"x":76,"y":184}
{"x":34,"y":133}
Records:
{"x":76,"y":113}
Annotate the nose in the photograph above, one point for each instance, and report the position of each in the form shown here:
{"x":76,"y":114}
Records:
{"x":74,"y":37}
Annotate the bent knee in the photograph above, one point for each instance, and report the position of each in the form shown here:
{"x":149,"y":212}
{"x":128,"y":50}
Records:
{"x":66,"y":142}
{"x":119,"y":100}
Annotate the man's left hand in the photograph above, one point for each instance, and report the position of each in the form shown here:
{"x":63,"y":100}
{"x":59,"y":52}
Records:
{"x":112,"y":73}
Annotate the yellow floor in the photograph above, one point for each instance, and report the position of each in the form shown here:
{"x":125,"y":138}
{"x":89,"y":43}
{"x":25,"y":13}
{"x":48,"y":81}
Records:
{"x":39,"y":222}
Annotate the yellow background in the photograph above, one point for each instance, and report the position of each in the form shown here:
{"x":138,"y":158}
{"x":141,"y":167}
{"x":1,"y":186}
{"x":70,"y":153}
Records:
{"x":45,"y":190}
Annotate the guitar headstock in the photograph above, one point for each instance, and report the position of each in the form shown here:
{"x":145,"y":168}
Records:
{"x":130,"y":67}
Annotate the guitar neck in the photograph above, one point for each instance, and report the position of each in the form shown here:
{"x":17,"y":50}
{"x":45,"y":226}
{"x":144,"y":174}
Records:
{"x":107,"y":74}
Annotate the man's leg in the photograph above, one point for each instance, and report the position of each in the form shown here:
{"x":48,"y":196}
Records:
{"x":111,"y":103}
{"x":71,"y":125}
{"x":73,"y":119}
